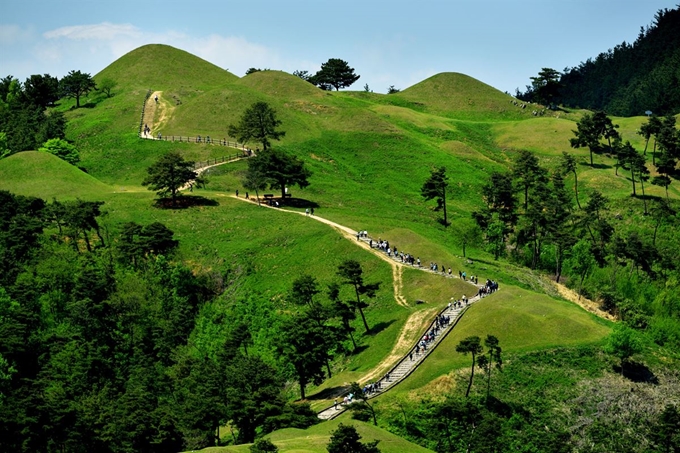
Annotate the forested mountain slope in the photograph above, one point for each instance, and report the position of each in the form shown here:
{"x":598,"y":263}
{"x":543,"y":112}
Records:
{"x":632,"y":78}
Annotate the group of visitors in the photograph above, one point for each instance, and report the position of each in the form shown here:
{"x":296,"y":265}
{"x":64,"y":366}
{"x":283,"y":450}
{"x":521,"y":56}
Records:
{"x":412,"y":260}
{"x":370,"y":389}
{"x":489,"y":287}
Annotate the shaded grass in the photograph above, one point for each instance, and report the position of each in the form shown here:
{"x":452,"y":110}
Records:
{"x":315,"y":438}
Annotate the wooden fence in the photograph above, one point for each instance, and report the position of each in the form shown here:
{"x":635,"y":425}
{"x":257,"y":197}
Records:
{"x":219,"y":160}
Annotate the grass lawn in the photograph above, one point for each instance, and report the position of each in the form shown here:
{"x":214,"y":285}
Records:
{"x":315,"y":439}
{"x":521,"y":320}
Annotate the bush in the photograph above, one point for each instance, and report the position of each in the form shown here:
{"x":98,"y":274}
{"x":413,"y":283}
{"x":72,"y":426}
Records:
{"x":263,"y":446}
{"x":62,"y":149}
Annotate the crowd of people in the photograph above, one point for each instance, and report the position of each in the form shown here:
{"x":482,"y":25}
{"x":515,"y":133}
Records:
{"x":440,"y":323}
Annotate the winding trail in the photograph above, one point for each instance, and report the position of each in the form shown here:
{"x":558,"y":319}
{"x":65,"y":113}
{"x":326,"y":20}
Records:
{"x":403,"y":358}
{"x":405,"y":355}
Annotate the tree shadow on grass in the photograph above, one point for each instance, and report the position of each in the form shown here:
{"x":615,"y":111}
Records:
{"x":184,"y":202}
{"x":596,"y":166}
{"x":637,"y":372}
{"x":376,"y":329}
{"x":331,"y":392}
{"x":358,"y":350}
{"x":299,"y":203}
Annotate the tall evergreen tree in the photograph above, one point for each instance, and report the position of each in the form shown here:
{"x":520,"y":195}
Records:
{"x":352,"y":274}
{"x":435,"y":188}
{"x":259,"y":123}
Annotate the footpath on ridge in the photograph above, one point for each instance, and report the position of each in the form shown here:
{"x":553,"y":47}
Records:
{"x":438,"y":329}
{"x":397,"y":369}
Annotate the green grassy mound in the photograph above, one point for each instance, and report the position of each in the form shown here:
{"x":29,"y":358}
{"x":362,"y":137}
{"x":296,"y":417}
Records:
{"x":521,"y":320}
{"x":315,"y":439}
{"x":46,"y":176}
{"x":280,"y":85}
{"x":159,"y":66}
{"x":460,"y":96}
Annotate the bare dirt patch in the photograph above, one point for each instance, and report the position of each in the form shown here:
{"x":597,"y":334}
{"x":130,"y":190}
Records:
{"x":586,"y":304}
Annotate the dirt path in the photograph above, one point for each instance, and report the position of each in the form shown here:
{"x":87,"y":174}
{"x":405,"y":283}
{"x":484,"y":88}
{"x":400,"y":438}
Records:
{"x":586,"y":304}
{"x":410,"y":333}
{"x":350,"y":234}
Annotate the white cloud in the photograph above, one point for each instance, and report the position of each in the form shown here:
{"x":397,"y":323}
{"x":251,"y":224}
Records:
{"x":105,"y":31}
{"x":100,"y":44}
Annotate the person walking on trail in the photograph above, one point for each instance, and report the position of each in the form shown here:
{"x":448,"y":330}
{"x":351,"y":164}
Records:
{"x":311,"y":211}
{"x":156,"y":99}
{"x":335,"y":404}
{"x":236,"y":193}
{"x":307,"y":211}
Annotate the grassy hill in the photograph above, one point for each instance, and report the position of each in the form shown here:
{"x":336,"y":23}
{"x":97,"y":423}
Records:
{"x":460,"y":96}
{"x":159,"y":66}
{"x":46,"y":176}
{"x":369,"y":155}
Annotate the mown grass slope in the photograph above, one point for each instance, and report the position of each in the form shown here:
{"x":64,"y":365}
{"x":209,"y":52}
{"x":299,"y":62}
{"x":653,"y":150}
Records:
{"x":315,"y":439}
{"x":46,"y":176}
{"x":522,"y":320}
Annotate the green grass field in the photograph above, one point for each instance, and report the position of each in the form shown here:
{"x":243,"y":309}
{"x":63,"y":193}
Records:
{"x":369,"y":155}
{"x":315,"y":439}
{"x":521,"y":320}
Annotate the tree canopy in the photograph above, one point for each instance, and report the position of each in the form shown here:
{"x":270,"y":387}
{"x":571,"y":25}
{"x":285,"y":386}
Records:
{"x":62,"y":149}
{"x":346,"y":439}
{"x":278,"y":169}
{"x":434,"y":187}
{"x":258,"y":123}
{"x":76,"y":84}
{"x":169,"y":174}
{"x":336,"y":73}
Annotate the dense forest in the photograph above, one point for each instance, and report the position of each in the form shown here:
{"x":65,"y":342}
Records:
{"x":629,"y":79}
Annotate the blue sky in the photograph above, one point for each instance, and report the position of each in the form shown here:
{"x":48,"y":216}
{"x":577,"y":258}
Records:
{"x":500,"y":42}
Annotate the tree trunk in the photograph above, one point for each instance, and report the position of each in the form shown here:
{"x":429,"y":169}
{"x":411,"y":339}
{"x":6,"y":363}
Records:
{"x":302,"y":389}
{"x":472,"y":375}
{"x":488,"y":378}
{"x":644,"y":197}
{"x":87,"y":241}
{"x":361,"y":311}
{"x":578,"y":203}
{"x":654,"y":152}
{"x":464,"y":250}
{"x":354,"y":344}
{"x":580,"y":286}
{"x":328,"y":368}
{"x":646,"y":143}
{"x":363,"y":318}
{"x":632,"y":177}
{"x":446,"y":223}
{"x":591,"y":157}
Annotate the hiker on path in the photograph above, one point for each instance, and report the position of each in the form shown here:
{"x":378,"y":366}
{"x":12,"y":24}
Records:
{"x":236,"y":193}
{"x":307,"y":211}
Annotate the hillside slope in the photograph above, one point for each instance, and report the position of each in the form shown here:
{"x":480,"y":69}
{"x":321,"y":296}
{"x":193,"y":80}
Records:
{"x":46,"y":176}
{"x":159,"y":66}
